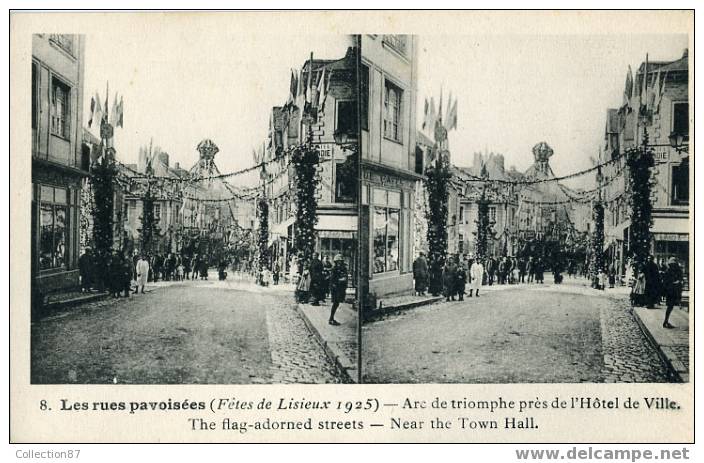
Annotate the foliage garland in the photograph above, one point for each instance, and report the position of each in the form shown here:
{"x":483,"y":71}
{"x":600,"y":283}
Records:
{"x":263,"y":211}
{"x":436,"y":182}
{"x":639,"y":162}
{"x":305,"y":160}
{"x":485,"y":230}
{"x":102,"y":179}
{"x":597,"y":260}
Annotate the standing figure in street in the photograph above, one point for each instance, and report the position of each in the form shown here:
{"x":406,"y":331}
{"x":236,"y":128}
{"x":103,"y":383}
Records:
{"x":476,"y":272}
{"x":316,"y":280}
{"x":673,"y":289}
{"x":276,"y":273}
{"x":449,"y":279}
{"x":142,"y":271}
{"x":158,"y":262}
{"x":539,"y":270}
{"x":204,"y":268}
{"x":461,"y":281}
{"x":420,"y":274}
{"x":521,"y":270}
{"x":114,"y":274}
{"x":530,"y":269}
{"x":327,"y":271}
{"x":504,"y":267}
{"x":85,"y":269}
{"x":653,"y":288}
{"x":436,"y":276}
{"x":303,"y":285}
{"x":222,"y":270}
{"x":490,"y":270}
{"x":186,"y":267}
{"x":126,"y":274}
{"x":612,"y":276}
{"x":515,"y":271}
{"x":338,"y":286}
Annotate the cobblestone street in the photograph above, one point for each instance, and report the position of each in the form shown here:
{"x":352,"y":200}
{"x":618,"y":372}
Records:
{"x":514,"y":334}
{"x":206,"y":332}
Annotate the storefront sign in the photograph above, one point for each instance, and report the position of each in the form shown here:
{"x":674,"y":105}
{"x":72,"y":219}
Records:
{"x":671,"y":236}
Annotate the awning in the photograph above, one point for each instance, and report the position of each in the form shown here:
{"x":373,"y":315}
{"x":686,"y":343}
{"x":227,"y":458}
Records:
{"x":671,"y":225}
{"x":337,"y":222}
{"x":282,"y":227}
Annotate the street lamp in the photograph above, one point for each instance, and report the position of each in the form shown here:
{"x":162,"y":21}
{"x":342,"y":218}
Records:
{"x":677,"y":142}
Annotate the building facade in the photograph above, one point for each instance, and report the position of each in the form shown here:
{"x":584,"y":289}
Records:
{"x":333,"y":131}
{"x":59,"y":160}
{"x":388,"y":82}
{"x":665,"y":115}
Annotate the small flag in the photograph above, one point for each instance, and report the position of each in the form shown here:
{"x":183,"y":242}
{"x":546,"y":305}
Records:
{"x":452,"y":116}
{"x":119,"y":114}
{"x":92,"y":111}
{"x":320,"y":91}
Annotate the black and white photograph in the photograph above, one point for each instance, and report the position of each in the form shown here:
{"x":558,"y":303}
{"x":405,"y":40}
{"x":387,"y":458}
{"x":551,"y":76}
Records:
{"x":527,"y":205}
{"x":193,"y":213}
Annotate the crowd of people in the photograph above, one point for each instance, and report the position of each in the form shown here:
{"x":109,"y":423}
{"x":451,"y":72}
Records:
{"x":131,"y":274}
{"x":649,"y":287}
{"x":319,"y":279}
{"x":452,"y":277}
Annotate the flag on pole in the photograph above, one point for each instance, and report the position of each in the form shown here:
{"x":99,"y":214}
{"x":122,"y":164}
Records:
{"x":426,"y":107}
{"x":320,"y":91}
{"x":118,"y":115}
{"x":96,"y":110}
{"x":92,"y":111}
{"x":661,"y":92}
{"x":452,"y":116}
{"x":628,"y":88}
{"x":113,"y":113}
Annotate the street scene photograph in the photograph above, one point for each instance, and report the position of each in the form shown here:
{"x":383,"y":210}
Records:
{"x":194,"y":207}
{"x":526,"y":204}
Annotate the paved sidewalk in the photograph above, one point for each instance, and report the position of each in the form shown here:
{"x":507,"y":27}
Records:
{"x":672,"y":344}
{"x":339,"y":342}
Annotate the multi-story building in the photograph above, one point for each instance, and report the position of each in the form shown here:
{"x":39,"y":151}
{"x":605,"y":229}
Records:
{"x":388,"y":82}
{"x":666,"y":120}
{"x":333,"y":130}
{"x":59,"y":159}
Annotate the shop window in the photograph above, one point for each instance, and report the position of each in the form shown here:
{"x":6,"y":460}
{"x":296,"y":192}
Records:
{"x":392,"y":111}
{"x":492,"y":214}
{"x":460,"y":247}
{"x":680,"y":184}
{"x":680,"y":119}
{"x":386,"y":239}
{"x":53,"y":228}
{"x":157,"y":212}
{"x":60,"y":108}
{"x":364,"y":84}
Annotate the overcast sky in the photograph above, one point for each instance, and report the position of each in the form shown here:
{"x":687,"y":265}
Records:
{"x":179,"y":88}
{"x":515,"y":91}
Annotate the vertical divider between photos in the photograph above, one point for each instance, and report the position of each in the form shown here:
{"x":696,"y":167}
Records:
{"x":362,"y":260}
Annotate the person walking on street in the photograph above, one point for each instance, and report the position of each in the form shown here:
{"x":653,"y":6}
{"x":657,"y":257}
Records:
{"x":652,"y":283}
{"x":420,"y":274}
{"x":449,"y":279}
{"x":477,"y":274}
{"x":436,"y":276}
{"x":530,"y":269}
{"x":539,"y":271}
{"x":85,"y":269}
{"x":316,"y":279}
{"x":490,"y":270}
{"x":461,"y":281}
{"x":338,"y":286}
{"x":673,"y":289}
{"x":125,"y":276}
{"x":276,"y":273}
{"x":327,"y":270}
{"x":142,"y":271}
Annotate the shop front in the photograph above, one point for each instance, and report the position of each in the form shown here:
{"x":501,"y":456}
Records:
{"x":337,"y":234}
{"x":387,"y":204}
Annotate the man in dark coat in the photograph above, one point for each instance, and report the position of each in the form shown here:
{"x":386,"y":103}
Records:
{"x":490,"y":270}
{"x":539,"y":269}
{"x":521,"y":270}
{"x":338,"y":286}
{"x":672,"y":283}
{"x":461,"y":281}
{"x":449,"y":279}
{"x":85,"y":268}
{"x":420,"y":274}
{"x":436,"y":276}
{"x":327,"y":269}
{"x":530,"y":269}
{"x":316,"y":279}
